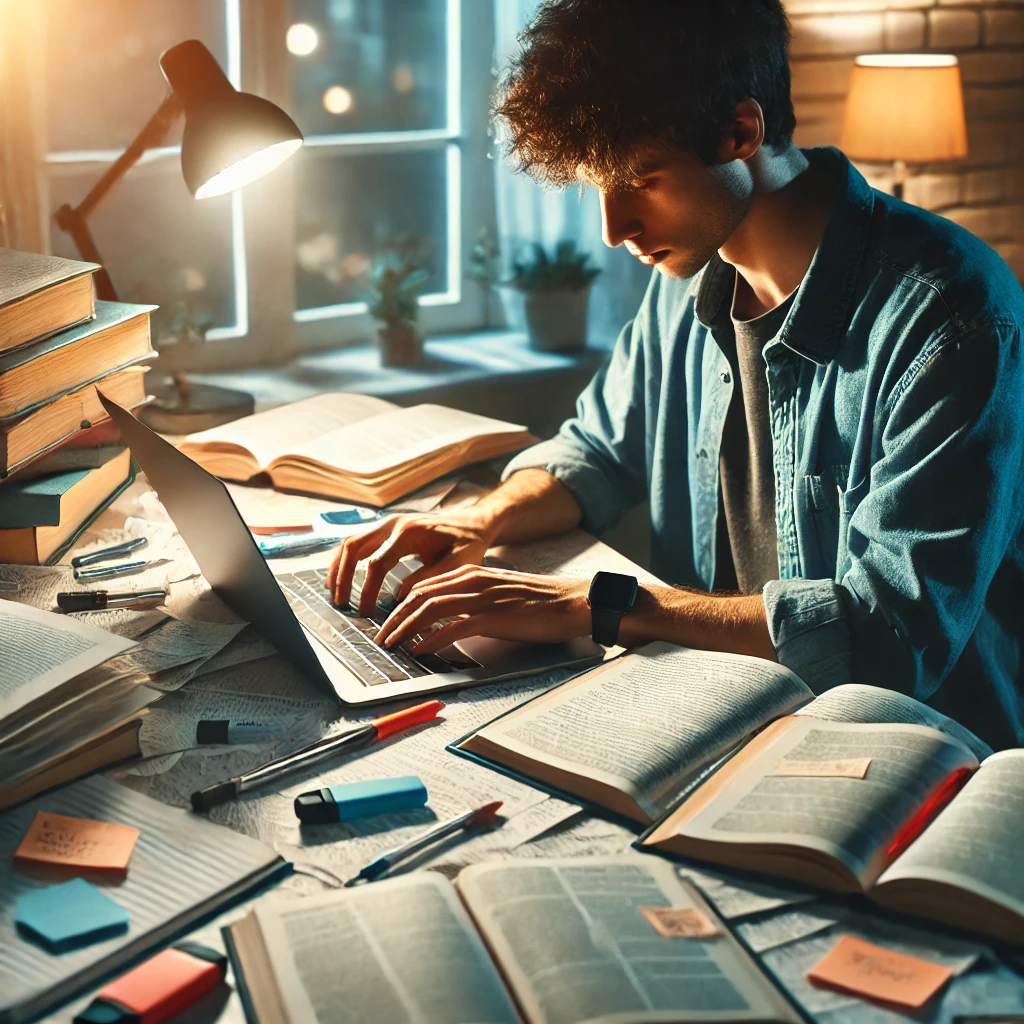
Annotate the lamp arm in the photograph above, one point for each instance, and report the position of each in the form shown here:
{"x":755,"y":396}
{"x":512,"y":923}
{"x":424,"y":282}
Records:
{"x":73,"y":219}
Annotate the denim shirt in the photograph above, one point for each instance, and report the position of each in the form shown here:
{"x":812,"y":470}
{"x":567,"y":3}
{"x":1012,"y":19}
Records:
{"x":896,"y":394}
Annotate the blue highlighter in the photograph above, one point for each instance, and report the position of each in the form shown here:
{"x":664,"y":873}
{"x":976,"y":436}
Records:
{"x":360,"y":799}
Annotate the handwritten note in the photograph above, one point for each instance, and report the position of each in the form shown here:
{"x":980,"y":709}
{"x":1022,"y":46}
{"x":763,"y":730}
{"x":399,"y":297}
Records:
{"x":851,"y":768}
{"x":681,"y":922}
{"x":77,"y":843}
{"x":865,"y":969}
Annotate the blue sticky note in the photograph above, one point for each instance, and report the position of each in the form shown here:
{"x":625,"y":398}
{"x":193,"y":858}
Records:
{"x":63,"y":917}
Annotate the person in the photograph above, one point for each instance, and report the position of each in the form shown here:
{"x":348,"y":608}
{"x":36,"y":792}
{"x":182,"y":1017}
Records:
{"x":821,"y":395}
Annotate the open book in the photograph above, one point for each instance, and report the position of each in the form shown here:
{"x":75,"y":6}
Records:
{"x":558,"y":942}
{"x":352,"y":447}
{"x":712,"y":747}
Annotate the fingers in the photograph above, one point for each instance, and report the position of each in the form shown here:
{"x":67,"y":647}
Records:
{"x":460,"y":629}
{"x":400,"y":628}
{"x":443,"y":566}
{"x":351,"y":551}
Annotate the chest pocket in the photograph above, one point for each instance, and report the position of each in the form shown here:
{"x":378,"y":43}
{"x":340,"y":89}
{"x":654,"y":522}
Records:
{"x":832,"y":504}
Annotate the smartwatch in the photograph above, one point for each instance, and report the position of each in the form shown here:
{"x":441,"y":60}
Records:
{"x":611,"y":595}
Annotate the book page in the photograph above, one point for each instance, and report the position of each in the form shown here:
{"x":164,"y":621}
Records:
{"x":575,"y":946}
{"x":398,"y":950}
{"x":375,"y":446}
{"x":855,"y":702}
{"x":852,"y":820}
{"x":976,"y":842}
{"x":648,"y":722}
{"x":42,"y":650}
{"x":282,"y":430}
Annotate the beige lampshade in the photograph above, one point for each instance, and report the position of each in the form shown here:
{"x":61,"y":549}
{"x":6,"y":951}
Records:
{"x":906,"y":107}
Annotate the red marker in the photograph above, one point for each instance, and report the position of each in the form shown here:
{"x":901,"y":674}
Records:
{"x":928,"y":812}
{"x":354,"y":739}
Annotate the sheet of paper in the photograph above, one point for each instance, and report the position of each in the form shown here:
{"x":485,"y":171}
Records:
{"x":735,"y":899}
{"x":83,"y":843}
{"x":42,"y":649}
{"x":849,"y":768}
{"x":788,"y":925}
{"x":180,"y":643}
{"x":35,"y":585}
{"x":132,"y":623}
{"x":883,"y":974}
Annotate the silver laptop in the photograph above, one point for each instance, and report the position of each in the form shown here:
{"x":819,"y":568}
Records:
{"x":330,"y":646}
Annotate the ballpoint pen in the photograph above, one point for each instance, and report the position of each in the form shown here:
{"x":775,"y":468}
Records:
{"x":107,"y":571}
{"x":94,"y":600}
{"x":479,"y":818}
{"x":314,"y":753}
{"x":104,"y":554}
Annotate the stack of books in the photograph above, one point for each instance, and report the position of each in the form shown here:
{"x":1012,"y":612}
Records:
{"x":61,"y":460}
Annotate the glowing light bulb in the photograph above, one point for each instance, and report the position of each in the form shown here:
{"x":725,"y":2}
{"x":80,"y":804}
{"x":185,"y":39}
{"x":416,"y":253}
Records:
{"x":248,"y":169}
{"x":338,"y":100}
{"x":301,"y":39}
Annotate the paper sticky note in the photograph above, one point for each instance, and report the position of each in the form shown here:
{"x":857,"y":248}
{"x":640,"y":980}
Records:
{"x":66,"y":916}
{"x":681,"y":922}
{"x":865,"y":969}
{"x":77,"y":843}
{"x":851,"y":768}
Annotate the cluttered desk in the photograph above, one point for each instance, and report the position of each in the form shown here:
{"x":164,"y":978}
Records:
{"x":221,"y":801}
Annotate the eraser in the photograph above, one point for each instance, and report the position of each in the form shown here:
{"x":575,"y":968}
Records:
{"x":360,"y":799}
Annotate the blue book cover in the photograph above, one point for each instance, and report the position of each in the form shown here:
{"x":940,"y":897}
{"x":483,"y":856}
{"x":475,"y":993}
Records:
{"x":38,"y":502}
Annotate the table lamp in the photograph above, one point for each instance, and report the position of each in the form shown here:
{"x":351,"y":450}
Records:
{"x":904,"y":108}
{"x":230,"y":139}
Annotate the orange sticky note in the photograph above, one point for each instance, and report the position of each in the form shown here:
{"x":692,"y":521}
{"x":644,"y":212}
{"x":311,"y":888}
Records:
{"x":681,"y":922}
{"x":80,"y":844}
{"x":865,"y":969}
{"x":851,"y":768}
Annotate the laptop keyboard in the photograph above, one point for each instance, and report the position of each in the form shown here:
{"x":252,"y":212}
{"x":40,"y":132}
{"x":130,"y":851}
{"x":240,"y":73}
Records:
{"x":350,"y":637}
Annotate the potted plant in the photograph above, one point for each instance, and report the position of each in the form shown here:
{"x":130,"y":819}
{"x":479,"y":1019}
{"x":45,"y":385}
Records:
{"x":484,"y":267}
{"x":396,"y":280}
{"x":555,"y":293}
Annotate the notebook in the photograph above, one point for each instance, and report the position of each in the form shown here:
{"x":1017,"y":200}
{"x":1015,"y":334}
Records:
{"x":184,"y":870}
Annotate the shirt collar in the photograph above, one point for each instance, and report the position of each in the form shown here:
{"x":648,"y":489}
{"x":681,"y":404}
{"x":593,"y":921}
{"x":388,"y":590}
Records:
{"x":821,"y":306}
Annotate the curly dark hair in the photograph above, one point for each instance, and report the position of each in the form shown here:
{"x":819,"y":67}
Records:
{"x":597,"y":80}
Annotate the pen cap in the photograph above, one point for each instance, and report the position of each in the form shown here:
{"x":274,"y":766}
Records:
{"x":407,"y":718}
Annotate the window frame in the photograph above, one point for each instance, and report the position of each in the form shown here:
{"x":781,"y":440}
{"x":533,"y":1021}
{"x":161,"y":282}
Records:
{"x":268,"y":328}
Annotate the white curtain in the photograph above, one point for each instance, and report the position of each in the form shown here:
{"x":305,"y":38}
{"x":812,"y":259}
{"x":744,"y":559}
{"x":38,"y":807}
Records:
{"x":528,"y":213}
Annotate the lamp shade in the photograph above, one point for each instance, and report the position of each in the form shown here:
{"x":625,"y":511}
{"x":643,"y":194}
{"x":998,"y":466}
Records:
{"x":231,"y":137}
{"x":907,"y":107}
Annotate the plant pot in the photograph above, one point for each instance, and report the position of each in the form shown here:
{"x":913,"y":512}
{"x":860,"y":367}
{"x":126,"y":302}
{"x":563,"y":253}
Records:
{"x":557,"y":321}
{"x":400,"y":345}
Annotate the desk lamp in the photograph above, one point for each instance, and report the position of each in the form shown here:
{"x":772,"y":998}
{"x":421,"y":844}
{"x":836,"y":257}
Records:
{"x":904,"y":108}
{"x":230,"y":139}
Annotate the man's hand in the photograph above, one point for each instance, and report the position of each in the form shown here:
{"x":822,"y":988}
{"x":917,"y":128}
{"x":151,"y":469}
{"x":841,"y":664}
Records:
{"x":441,"y":542}
{"x":499,"y":603}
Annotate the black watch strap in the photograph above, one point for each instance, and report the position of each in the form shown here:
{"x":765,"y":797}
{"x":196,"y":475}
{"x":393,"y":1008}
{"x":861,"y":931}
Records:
{"x":604,"y":624}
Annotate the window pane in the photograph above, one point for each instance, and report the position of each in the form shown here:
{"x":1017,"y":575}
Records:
{"x":103,"y":79}
{"x":158,"y":243}
{"x":349,"y":207}
{"x":367,"y":65}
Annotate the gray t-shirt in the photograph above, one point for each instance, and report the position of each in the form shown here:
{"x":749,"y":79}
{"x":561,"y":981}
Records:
{"x":746,"y":465}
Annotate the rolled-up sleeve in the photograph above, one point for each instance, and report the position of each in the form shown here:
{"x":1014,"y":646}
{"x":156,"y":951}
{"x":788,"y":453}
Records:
{"x":599,"y":454}
{"x":944,"y":502}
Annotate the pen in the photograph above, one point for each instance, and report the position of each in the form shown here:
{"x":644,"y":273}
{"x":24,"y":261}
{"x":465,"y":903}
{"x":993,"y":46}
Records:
{"x":314,"y":753}
{"x":479,"y":818}
{"x":79,"y":561}
{"x":93,"y":600}
{"x":106,"y":571}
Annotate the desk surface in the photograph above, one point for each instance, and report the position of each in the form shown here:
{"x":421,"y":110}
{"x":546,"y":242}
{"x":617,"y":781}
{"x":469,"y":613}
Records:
{"x":794,"y":929}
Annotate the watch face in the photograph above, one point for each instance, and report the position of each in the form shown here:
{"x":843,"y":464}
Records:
{"x":613,"y":590}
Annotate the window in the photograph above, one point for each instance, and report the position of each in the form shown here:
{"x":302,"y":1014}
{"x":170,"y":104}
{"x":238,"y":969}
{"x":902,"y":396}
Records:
{"x":392,"y":96}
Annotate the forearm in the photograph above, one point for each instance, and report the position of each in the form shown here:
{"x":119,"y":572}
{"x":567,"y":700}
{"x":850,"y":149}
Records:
{"x":529,"y":505}
{"x":713,"y":622}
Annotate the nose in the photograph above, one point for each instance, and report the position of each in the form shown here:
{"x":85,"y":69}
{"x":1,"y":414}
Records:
{"x":619,"y":219}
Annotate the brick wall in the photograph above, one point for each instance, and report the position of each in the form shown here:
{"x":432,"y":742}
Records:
{"x":984,"y":192}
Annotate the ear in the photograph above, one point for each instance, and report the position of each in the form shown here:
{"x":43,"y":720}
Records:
{"x":744,"y":136}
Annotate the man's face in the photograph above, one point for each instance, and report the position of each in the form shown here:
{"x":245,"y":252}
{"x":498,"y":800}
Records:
{"x":678,"y":212}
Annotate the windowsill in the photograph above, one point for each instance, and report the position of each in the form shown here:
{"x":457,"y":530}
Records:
{"x":450,"y":362}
